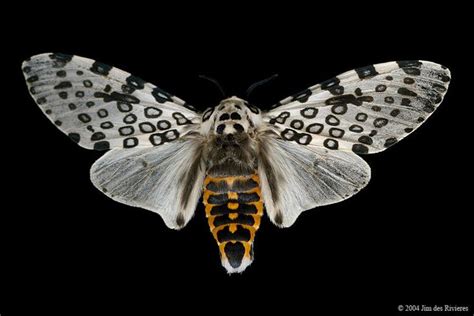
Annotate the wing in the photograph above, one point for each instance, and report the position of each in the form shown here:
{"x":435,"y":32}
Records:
{"x":364,"y":110}
{"x":166,"y":179}
{"x":296,"y":178}
{"x":102,"y":107}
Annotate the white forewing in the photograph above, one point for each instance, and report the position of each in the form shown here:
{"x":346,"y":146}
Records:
{"x":364,"y":110}
{"x":296,"y":178}
{"x":102,"y":107}
{"x":166,"y":179}
{"x":155,"y":162}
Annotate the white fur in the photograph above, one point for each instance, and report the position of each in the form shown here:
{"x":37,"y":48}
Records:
{"x":245,"y":263}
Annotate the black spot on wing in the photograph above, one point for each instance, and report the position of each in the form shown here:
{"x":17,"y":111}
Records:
{"x":309,"y":112}
{"x":332,"y":85}
{"x":349,"y":98}
{"x":410,"y":67}
{"x":161,"y":96}
{"x":146,"y":127}
{"x":405,"y":102}
{"x":181,"y":119}
{"x":444,"y":77}
{"x":61,"y":73}
{"x":390,"y":141}
{"x":278,"y":218}
{"x":407,"y":92}
{"x":97,"y":136}
{"x":409,"y":63}
{"x":100,"y":68}
{"x":366,"y":72}
{"x":315,"y":128}
{"x":302,"y":96}
{"x":331,"y":143}
{"x":32,"y":79}
{"x":75,"y":137}
{"x":189,"y":106}
{"x":180,"y":220}
{"x":380,"y":122}
{"x":126,"y":130}
{"x":130,"y":142}
{"x":365,"y":140}
{"x":360,"y":149}
{"x":84,"y":118}
{"x":102,"y":145}
{"x":63,"y":85}
{"x":130,"y":118}
{"x":135,"y":82}
{"x":60,"y":60}
{"x":117,"y":96}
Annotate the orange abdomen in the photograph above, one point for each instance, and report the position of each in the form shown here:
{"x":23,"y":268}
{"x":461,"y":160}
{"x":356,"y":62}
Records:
{"x":233,"y":208}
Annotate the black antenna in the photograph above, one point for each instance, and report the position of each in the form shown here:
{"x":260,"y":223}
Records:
{"x":259,"y":83}
{"x":215,"y":82}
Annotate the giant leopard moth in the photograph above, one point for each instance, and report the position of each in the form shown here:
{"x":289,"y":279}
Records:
{"x":303,"y":153}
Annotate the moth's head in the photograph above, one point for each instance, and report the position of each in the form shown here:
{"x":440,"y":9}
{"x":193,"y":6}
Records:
{"x":231,"y":116}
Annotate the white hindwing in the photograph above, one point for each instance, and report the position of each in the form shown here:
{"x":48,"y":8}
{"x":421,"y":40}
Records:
{"x":296,"y":178}
{"x":310,"y":140}
{"x":165,"y":179}
{"x":102,"y":107}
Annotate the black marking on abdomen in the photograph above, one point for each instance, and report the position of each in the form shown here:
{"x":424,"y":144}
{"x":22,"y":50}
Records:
{"x":244,"y":185}
{"x":218,"y":187}
{"x":240,"y":234}
{"x":234,"y":208}
{"x":248,"y":197}
{"x":234,"y":253}
{"x":218,"y":199}
{"x":241,"y":209}
{"x":240,"y":219}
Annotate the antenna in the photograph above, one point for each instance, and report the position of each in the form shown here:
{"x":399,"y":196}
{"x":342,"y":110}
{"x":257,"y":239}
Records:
{"x":259,"y":83}
{"x":215,"y":82}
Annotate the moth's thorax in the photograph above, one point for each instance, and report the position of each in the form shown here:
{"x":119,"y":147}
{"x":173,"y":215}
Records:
{"x":231,"y":146}
{"x":231,"y":116}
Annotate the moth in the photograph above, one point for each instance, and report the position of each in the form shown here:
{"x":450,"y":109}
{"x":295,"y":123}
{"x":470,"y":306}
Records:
{"x":162,"y":154}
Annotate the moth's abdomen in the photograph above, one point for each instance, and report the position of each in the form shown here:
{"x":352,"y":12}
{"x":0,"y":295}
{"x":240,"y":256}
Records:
{"x":234,"y":208}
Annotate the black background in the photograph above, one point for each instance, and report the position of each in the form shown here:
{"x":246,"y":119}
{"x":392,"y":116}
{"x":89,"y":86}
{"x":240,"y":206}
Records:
{"x":405,"y":239}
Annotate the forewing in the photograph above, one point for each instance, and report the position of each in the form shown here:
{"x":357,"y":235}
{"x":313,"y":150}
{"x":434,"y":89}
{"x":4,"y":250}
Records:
{"x":364,"y":110}
{"x":102,"y":107}
{"x":296,"y":178}
{"x":166,"y":179}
